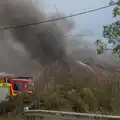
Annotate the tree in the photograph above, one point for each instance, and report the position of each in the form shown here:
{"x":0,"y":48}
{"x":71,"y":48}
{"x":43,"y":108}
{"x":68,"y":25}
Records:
{"x":112,"y":34}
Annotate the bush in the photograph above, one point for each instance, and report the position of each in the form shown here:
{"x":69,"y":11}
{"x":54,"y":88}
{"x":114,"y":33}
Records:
{"x":77,"y":91}
{"x":70,"y":90}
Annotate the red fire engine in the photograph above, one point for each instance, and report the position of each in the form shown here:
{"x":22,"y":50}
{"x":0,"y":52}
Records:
{"x":14,"y":84}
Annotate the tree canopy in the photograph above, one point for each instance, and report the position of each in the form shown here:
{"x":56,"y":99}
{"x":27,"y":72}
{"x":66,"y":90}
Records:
{"x":112,"y":34}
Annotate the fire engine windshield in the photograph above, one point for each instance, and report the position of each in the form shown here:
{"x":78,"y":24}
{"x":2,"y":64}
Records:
{"x":4,"y":92}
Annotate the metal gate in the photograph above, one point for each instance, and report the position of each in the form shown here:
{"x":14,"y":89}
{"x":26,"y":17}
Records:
{"x":61,"y":115}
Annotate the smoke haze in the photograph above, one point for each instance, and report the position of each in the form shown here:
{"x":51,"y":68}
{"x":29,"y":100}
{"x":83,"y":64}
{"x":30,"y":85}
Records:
{"x":46,"y":42}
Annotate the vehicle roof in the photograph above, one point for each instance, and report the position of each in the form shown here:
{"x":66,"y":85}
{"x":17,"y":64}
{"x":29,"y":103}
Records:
{"x":25,"y":80}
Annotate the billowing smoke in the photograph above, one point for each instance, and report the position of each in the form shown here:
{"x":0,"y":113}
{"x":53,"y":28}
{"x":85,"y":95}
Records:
{"x":46,"y":42}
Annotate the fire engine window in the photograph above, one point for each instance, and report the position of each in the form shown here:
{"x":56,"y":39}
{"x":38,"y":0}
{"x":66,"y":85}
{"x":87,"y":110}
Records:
{"x":25,"y":85}
{"x":16,"y":86}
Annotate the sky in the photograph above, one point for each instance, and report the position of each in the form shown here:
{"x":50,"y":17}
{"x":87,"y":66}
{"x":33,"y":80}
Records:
{"x":91,"y":22}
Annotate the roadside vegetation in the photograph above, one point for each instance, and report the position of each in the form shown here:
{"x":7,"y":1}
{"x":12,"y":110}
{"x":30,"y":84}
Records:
{"x":80,"y":92}
{"x":72,"y":91}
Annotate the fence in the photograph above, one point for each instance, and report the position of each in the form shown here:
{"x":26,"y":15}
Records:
{"x":61,"y":115}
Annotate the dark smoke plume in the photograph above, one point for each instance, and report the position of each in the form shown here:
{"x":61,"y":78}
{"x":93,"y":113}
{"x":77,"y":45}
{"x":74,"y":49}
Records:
{"x":45,"y":42}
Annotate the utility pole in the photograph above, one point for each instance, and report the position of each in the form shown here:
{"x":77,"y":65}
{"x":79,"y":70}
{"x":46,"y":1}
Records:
{"x":57,"y":10}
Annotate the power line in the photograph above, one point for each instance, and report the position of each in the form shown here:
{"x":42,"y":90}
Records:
{"x":56,"y":19}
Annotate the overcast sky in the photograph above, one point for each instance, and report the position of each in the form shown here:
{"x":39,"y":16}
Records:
{"x":93,"y":22}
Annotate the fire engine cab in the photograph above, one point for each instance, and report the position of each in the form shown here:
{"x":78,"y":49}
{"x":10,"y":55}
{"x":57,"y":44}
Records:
{"x":11,"y":85}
